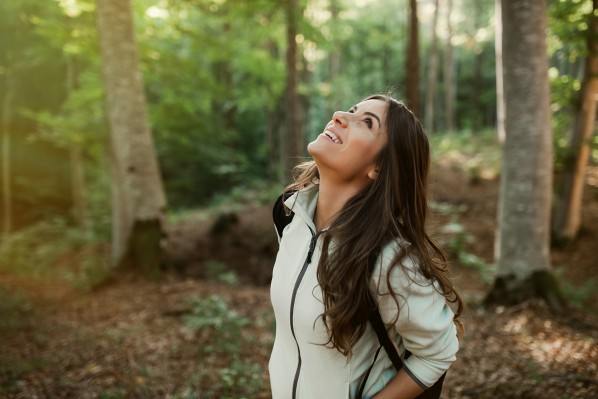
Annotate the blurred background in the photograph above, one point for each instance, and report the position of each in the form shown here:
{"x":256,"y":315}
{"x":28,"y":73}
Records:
{"x":143,"y":143}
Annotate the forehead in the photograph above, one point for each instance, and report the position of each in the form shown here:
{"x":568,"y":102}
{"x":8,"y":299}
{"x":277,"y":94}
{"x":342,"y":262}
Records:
{"x":377,"y":107}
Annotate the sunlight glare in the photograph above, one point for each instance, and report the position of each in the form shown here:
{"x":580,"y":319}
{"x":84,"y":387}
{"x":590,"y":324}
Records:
{"x":157,"y":12}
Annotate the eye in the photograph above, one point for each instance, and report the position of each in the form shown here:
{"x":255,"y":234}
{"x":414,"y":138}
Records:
{"x":368,"y":121}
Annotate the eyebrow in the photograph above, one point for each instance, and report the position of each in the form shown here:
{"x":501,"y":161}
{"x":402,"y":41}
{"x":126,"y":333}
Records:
{"x":354,"y":108}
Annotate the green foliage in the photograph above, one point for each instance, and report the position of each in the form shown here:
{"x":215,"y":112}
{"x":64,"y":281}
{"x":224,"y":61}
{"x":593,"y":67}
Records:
{"x":568,"y":30}
{"x":12,"y":369}
{"x":224,"y":325}
{"x":241,"y":380}
{"x":53,"y":250}
{"x":576,"y":295}
{"x":457,"y":242}
{"x":13,"y":307}
{"x":217,"y":271}
{"x":224,"y":329}
{"x":478,"y":155}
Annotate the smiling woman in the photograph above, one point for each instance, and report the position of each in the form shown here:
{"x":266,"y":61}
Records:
{"x":360,"y":210}
{"x":347,"y":149}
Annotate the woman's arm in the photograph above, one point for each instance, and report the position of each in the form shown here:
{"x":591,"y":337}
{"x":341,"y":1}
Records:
{"x":402,"y":386}
{"x":425,"y":322}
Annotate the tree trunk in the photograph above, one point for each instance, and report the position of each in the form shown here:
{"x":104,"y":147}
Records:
{"x":500,"y":98}
{"x":138,"y":201}
{"x":293,"y":140}
{"x":334,"y":62}
{"x":432,"y":73}
{"x":523,"y":250}
{"x":567,"y":216}
{"x":449,"y":72}
{"x":478,"y":114}
{"x":5,"y":129}
{"x":412,"y":64}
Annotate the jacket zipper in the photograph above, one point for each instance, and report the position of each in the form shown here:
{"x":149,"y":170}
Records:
{"x":310,"y":252}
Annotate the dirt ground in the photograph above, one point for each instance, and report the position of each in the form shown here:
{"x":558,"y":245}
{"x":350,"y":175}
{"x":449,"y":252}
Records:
{"x":135,"y":338}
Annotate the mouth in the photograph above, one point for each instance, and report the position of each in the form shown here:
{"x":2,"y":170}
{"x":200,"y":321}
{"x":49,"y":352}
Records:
{"x":332,"y":136}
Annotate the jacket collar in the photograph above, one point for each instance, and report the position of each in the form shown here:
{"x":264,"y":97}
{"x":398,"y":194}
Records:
{"x":303,"y":204}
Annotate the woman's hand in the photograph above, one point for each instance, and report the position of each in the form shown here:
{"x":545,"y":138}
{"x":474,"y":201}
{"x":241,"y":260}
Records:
{"x":402,"y":386}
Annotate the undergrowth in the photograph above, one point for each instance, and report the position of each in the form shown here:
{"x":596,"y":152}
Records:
{"x":54,"y":250}
{"x":224,"y":332}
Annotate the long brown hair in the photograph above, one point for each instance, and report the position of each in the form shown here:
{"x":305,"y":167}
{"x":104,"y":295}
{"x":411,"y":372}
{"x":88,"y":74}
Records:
{"x":394,"y":206}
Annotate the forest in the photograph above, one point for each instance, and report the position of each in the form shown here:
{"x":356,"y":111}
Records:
{"x":144,"y":142}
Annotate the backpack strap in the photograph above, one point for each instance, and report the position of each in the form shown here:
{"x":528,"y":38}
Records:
{"x":375,"y":320}
{"x":280,"y":213}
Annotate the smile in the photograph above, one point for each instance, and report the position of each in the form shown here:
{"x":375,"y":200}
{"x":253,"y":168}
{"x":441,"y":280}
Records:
{"x":332,"y":136}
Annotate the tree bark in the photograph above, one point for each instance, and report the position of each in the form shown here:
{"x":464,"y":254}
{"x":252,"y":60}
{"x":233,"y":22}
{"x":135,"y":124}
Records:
{"x":523,"y":250}
{"x":432,"y":73}
{"x":334,"y":62}
{"x":138,"y":201}
{"x":567,"y":215}
{"x":500,"y":99}
{"x":477,"y":116}
{"x":412,"y":62}
{"x":449,"y":72}
{"x":293,"y":140}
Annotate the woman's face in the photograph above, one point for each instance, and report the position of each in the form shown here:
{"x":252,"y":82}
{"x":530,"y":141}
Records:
{"x":351,"y":141}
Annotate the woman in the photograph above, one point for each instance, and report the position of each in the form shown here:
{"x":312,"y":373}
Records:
{"x":358,"y":237}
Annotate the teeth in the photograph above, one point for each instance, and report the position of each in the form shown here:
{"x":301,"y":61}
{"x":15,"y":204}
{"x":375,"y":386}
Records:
{"x":333,"y":137}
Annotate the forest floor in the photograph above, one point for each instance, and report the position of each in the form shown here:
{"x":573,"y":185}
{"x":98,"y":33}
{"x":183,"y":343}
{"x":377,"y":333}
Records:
{"x":205,"y":329}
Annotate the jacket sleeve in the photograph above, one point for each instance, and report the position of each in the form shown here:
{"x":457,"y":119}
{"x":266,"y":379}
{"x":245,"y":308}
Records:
{"x":425,"y":321}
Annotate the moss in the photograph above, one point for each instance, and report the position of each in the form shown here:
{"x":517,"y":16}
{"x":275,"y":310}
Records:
{"x":145,"y":251}
{"x":508,"y":291}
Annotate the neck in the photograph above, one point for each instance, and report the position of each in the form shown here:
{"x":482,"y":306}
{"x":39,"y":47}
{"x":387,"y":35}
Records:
{"x":331,"y":199}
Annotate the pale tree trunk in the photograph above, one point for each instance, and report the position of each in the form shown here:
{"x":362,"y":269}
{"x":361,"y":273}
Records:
{"x":293,"y":140}
{"x":477,"y":116}
{"x":334,"y":63}
{"x":5,"y":129}
{"x":450,"y":81}
{"x":500,"y":98}
{"x":523,"y":250}
{"x":432,"y":73}
{"x":412,"y":62}
{"x":138,"y":203}
{"x":567,"y":215}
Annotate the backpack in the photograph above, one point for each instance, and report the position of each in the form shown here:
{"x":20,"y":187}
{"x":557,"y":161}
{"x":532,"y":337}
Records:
{"x":281,"y":219}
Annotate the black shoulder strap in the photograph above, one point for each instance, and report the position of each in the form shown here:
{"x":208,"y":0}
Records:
{"x":378,"y":324}
{"x":375,"y":320}
{"x":281,"y":216}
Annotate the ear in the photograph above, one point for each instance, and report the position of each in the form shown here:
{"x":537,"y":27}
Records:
{"x":373,"y":174}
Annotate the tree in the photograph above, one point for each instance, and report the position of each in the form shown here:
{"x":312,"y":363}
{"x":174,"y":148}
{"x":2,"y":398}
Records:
{"x":449,"y":72}
{"x":138,"y":201}
{"x":567,"y":215}
{"x":293,"y":142}
{"x":500,"y":99}
{"x":432,"y":73}
{"x":523,"y":250}
{"x":412,"y":62}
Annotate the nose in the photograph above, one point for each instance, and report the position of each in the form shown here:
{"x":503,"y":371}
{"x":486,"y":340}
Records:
{"x":341,"y":118}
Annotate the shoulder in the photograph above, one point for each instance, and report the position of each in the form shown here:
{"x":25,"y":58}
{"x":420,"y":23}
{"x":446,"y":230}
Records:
{"x":398,"y":267}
